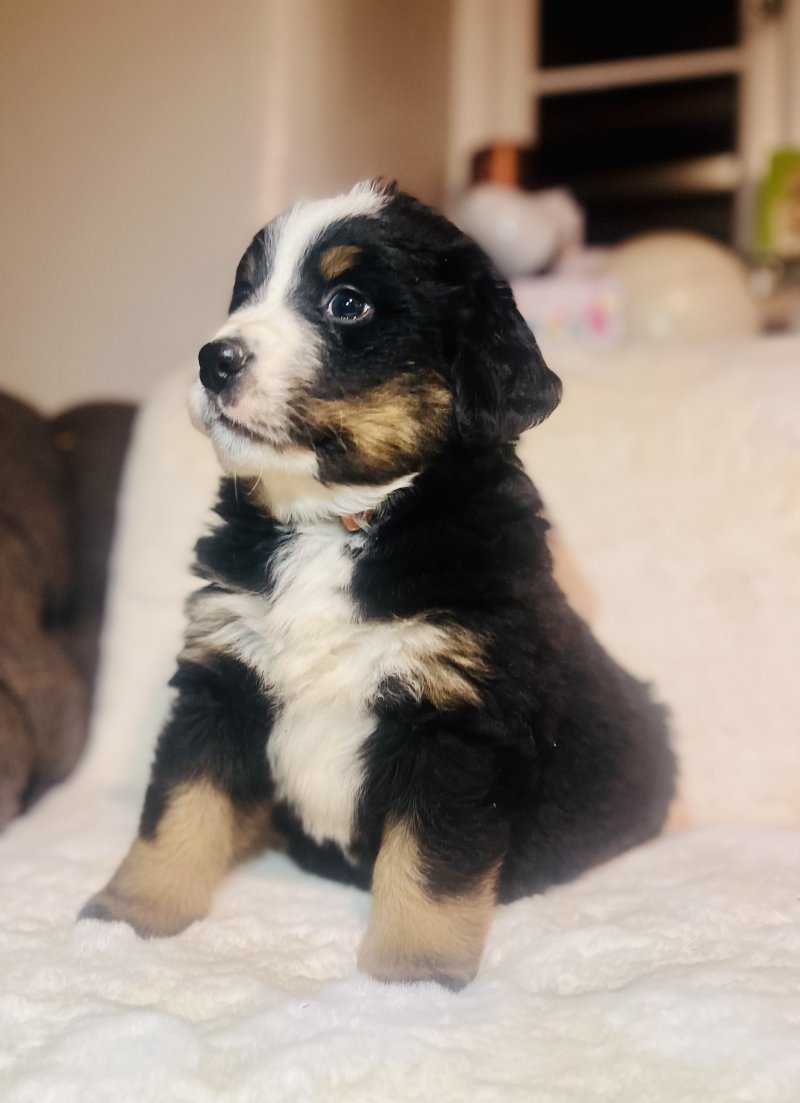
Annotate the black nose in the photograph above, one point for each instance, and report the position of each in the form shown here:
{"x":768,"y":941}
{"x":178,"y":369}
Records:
{"x":219,"y":361}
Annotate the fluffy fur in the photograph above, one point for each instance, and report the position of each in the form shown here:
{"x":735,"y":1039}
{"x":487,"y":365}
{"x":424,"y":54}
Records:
{"x":415,"y":697}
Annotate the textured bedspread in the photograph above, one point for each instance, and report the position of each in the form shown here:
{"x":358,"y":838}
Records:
{"x":671,"y":974}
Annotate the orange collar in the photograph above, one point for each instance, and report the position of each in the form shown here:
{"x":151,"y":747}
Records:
{"x":357,"y":522}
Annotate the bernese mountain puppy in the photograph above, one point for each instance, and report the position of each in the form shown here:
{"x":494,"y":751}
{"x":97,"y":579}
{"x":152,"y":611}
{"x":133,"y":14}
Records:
{"x":380,"y":659}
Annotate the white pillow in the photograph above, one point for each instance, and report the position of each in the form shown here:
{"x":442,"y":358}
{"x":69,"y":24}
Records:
{"x":673,"y":475}
{"x":168,"y":488}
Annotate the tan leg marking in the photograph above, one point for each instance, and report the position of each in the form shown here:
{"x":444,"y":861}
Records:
{"x":413,"y":936}
{"x":450,"y":666}
{"x":167,"y":882}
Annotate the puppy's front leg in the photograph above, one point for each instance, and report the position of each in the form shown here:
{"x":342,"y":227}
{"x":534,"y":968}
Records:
{"x":418,"y":932}
{"x":206,"y":806}
{"x":167,"y":879}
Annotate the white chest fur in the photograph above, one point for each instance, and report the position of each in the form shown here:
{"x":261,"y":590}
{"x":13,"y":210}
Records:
{"x":323,"y":664}
{"x":321,"y":670}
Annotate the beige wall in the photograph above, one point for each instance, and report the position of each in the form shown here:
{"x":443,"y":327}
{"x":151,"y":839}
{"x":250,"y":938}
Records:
{"x":143,"y":143}
{"x":369,"y":94}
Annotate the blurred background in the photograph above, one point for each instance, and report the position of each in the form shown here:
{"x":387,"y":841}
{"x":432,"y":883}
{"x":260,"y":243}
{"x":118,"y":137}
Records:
{"x":633,"y":169}
{"x":144,"y":143}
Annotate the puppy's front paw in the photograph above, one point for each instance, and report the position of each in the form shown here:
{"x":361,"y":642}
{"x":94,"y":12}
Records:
{"x":393,"y":963}
{"x":149,"y":918}
{"x":149,"y":896}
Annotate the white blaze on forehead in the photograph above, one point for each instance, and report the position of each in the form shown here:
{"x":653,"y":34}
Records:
{"x":285,"y":353}
{"x":300,"y":229}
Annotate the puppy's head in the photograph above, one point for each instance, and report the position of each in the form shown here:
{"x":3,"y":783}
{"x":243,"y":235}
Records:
{"x":366,"y":333}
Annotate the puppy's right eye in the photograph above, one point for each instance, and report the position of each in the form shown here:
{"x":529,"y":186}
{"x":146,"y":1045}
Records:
{"x":347,"y":306}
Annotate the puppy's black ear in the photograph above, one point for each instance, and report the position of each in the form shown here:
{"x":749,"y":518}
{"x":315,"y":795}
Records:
{"x":250,"y":272}
{"x":501,"y":383}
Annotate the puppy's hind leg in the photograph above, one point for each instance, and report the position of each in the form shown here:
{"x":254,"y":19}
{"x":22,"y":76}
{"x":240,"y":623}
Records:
{"x":444,"y":840}
{"x":416,"y":934}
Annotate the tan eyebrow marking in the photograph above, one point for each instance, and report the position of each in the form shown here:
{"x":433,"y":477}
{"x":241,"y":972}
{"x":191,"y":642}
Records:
{"x":338,"y":259}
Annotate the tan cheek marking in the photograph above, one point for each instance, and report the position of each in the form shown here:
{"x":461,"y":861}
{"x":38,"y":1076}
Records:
{"x":167,"y":882}
{"x":399,"y":421}
{"x":336,"y":261}
{"x":413,"y":936}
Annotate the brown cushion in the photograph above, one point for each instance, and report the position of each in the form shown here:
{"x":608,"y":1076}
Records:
{"x":58,"y":485}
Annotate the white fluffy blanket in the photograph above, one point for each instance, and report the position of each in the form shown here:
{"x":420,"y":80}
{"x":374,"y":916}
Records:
{"x":671,"y":974}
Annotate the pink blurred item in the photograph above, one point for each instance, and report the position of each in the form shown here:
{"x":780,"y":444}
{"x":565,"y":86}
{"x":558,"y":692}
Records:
{"x":582,"y":308}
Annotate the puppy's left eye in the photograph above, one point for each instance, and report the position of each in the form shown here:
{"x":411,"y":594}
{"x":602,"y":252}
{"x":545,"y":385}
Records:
{"x":346,"y":306}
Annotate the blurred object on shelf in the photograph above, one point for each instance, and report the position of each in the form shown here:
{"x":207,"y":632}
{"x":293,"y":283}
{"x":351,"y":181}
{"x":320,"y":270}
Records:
{"x":776,"y":287}
{"x":682,"y":286}
{"x":573,"y":307}
{"x":502,"y":163}
{"x":523,"y":232}
{"x":659,"y":286}
{"x":779,"y":207}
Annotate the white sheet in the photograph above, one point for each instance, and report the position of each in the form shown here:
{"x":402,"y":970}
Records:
{"x":672,"y":974}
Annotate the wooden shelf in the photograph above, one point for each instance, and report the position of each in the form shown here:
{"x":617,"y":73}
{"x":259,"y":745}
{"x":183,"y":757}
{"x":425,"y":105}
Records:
{"x":635,"y":71}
